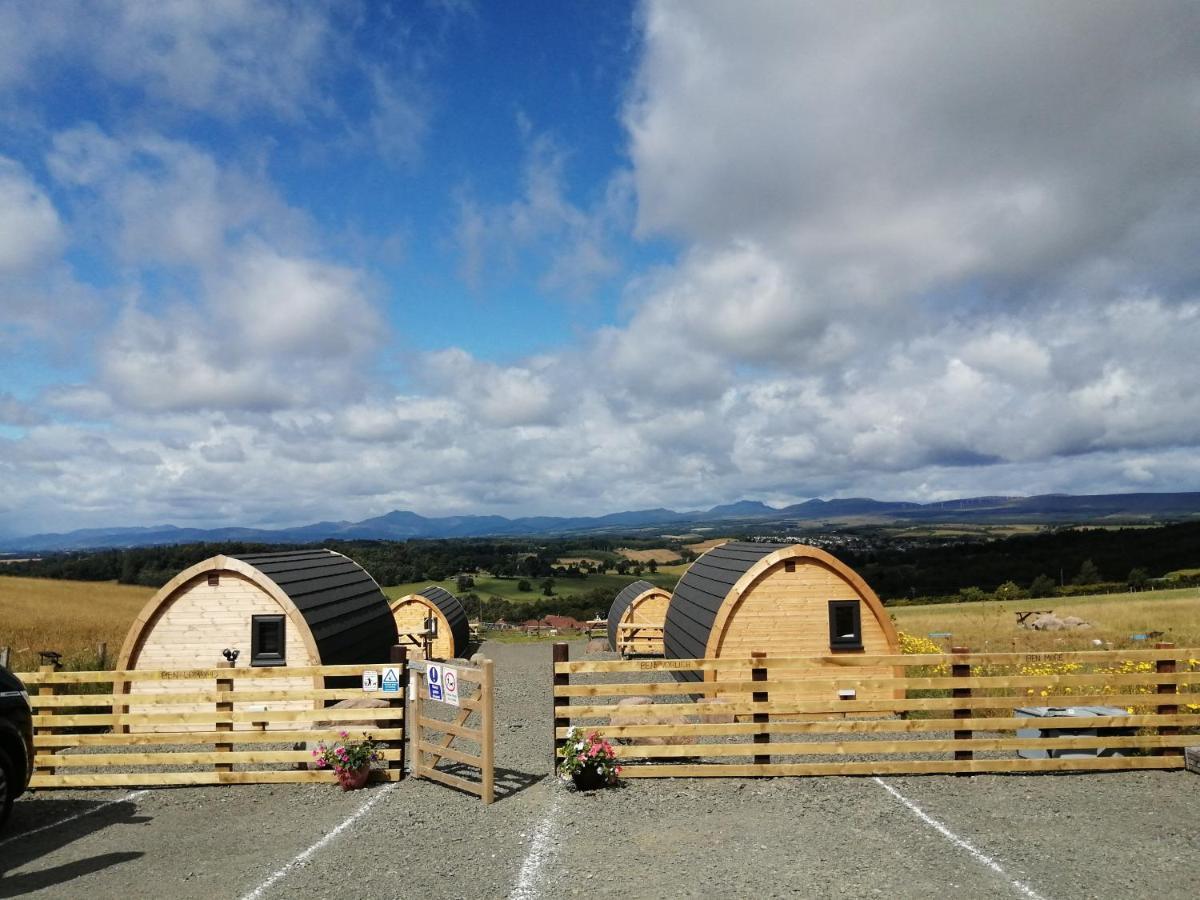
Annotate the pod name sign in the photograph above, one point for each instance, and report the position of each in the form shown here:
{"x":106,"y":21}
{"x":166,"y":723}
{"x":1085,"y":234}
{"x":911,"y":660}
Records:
{"x":443,"y":684}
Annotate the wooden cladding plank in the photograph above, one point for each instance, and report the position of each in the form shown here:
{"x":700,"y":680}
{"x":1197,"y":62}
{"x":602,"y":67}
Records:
{"x":875,"y":726}
{"x":885,"y":748}
{"x":447,"y":779}
{"x":166,"y":738}
{"x":180,"y":758}
{"x":903,"y":767}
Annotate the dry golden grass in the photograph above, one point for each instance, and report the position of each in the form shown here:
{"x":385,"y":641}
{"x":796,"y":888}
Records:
{"x":71,"y":617}
{"x":992,"y":625}
{"x":704,"y":546}
{"x":658,"y":554}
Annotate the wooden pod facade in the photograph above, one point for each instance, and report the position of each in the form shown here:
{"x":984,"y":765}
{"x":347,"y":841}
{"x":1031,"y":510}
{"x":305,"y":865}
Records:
{"x":436,"y":607}
{"x":288,"y":609}
{"x":638,"y":604}
{"x":783,"y":599}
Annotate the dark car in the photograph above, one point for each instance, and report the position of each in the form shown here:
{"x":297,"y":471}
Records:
{"x":16,"y":741}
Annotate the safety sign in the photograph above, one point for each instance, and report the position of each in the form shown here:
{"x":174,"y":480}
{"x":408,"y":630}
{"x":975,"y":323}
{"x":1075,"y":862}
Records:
{"x":433,"y":676}
{"x":370,"y":680}
{"x":443,"y":684}
{"x":390,"y":683}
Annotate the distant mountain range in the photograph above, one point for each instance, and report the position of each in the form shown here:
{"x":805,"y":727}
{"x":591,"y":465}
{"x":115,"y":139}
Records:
{"x":401,"y":525}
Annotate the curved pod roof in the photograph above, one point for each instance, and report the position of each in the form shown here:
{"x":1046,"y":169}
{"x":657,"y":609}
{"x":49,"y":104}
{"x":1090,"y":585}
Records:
{"x":451,"y":610}
{"x":629,"y":597}
{"x":332,"y":602}
{"x":709,"y":593}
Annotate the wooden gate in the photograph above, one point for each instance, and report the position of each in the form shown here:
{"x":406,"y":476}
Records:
{"x":948,"y":713}
{"x":442,"y":734}
{"x":202,"y":726}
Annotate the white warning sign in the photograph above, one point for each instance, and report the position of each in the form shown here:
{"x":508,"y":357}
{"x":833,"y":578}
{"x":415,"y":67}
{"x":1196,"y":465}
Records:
{"x":370,"y":680}
{"x":390,"y":683}
{"x":450,"y":685}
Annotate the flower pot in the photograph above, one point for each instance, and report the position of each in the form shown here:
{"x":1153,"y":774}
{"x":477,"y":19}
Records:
{"x":589,"y":779}
{"x":353,"y":779}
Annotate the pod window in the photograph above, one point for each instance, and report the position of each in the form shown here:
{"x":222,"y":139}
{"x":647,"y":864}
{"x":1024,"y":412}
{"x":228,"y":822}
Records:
{"x":267,"y":641}
{"x":845,"y":625}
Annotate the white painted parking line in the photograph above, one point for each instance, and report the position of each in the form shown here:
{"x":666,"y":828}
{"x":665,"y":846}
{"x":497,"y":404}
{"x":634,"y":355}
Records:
{"x":87,"y":812}
{"x":978,"y":855}
{"x":540,"y":852}
{"x":262,"y":889}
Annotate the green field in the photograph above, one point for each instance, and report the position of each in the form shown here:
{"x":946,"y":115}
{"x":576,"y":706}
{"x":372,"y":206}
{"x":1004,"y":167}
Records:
{"x":506,"y":588}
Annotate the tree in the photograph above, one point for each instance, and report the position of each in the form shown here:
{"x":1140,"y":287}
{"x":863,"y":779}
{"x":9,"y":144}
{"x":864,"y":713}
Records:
{"x":972,"y":594}
{"x":524,"y":586}
{"x":1088,"y":574}
{"x":1042,"y":586}
{"x":464,"y":583}
{"x":1138,"y":578}
{"x":548,"y":587}
{"x":653,"y":566}
{"x":1009,"y":591}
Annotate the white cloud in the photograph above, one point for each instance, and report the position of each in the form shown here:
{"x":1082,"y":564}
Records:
{"x":31,"y":232}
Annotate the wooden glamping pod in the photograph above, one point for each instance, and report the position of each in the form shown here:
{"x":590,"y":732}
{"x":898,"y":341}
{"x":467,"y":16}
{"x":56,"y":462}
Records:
{"x":293,"y":608}
{"x":433,"y":622}
{"x":784,"y":599}
{"x":635,"y":620}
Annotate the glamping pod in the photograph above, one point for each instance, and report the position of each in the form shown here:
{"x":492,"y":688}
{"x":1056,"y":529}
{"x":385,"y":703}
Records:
{"x":784,"y":599}
{"x":641,"y":608}
{"x":293,"y":608}
{"x":433,"y":621}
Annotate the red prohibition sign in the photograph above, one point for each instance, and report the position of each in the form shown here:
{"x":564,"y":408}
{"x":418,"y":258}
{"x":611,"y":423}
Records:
{"x":450,"y":682}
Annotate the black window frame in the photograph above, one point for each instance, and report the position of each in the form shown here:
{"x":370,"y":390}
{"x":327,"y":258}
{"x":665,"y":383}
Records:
{"x":257,"y":656}
{"x":838,"y":641}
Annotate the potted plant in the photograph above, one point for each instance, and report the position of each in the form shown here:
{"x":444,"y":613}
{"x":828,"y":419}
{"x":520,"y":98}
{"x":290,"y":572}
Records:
{"x":588,"y":760}
{"x":350,"y":760}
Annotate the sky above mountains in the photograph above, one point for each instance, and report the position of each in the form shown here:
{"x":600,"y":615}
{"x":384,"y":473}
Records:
{"x":270,"y":263}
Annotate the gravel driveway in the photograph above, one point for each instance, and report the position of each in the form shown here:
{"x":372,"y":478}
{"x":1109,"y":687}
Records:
{"x":1073,"y":836}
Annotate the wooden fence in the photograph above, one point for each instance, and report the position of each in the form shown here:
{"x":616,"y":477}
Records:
{"x":639,"y":639}
{"x":951,"y":713}
{"x":438,"y":740}
{"x":242,"y":725}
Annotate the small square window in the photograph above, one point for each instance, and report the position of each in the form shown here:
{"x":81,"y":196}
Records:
{"x":267,"y":643}
{"x":789,"y":565}
{"x":213,"y":579}
{"x":845,"y":625}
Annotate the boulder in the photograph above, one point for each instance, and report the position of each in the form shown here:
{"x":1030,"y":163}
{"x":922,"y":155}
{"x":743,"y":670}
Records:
{"x":596,"y":645}
{"x":719,"y":718}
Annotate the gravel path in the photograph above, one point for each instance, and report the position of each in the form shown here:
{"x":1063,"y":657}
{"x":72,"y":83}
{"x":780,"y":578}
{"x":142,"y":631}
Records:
{"x":1113,"y":835}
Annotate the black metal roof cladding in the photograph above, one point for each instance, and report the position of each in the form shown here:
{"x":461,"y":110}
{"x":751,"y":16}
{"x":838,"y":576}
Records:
{"x":627,"y":595}
{"x":698,"y":598}
{"x":342,"y":604}
{"x":456,"y":616}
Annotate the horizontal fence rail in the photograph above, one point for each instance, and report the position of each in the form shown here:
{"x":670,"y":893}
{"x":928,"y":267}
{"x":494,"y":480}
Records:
{"x":930,"y":713}
{"x":221,"y":725}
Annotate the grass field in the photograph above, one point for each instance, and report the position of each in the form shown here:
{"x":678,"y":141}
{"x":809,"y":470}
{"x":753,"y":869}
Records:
{"x":506,"y":588}
{"x":1115,"y":618}
{"x":71,"y":617}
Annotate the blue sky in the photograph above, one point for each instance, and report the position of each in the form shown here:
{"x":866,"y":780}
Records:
{"x":267,"y":263}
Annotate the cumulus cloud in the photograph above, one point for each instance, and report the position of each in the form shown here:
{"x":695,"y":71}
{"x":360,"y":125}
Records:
{"x":31,"y":231}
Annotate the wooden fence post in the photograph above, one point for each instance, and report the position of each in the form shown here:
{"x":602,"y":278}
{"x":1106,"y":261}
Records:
{"x":961,"y":670}
{"x":46,"y":690}
{"x":399,"y":657}
{"x":4,"y":656}
{"x":102,"y":655}
{"x":759,"y":673}
{"x":1166,"y":667}
{"x":224,"y":706}
{"x":487,"y":752}
{"x":561,"y":654}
